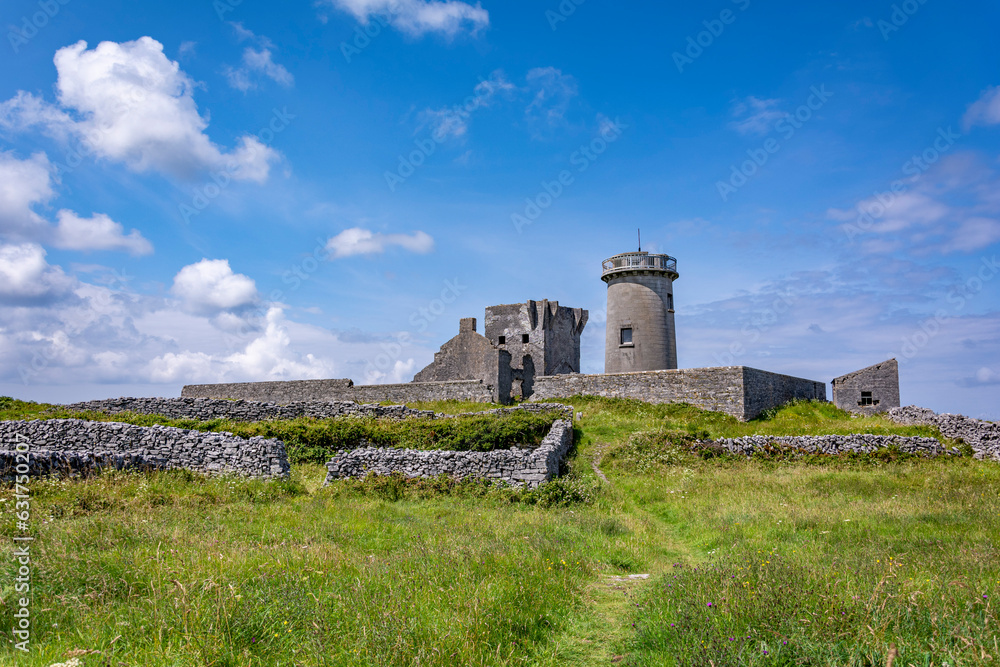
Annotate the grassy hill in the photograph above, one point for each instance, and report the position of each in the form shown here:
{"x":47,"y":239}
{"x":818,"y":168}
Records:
{"x":819,"y":561}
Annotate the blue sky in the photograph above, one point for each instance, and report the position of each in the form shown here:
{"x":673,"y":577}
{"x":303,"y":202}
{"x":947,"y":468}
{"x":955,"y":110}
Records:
{"x":223,"y":191}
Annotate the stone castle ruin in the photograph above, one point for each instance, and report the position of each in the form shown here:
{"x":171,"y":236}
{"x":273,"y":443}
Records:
{"x":531,"y":351}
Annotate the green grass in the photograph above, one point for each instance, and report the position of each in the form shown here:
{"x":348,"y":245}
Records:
{"x":839,"y":560}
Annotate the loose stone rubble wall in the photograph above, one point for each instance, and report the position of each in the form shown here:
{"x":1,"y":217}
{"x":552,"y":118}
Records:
{"x":245,"y":411}
{"x":982,"y":436}
{"x":528,"y":467}
{"x":834,"y":444}
{"x":76,"y":446}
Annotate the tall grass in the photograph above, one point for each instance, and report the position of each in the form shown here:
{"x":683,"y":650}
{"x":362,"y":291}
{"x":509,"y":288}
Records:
{"x":840,"y":561}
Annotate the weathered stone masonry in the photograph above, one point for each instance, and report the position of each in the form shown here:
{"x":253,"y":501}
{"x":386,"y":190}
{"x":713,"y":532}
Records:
{"x":344,"y":390}
{"x":736,"y":390}
{"x":528,"y":467}
{"x":73,"y":445}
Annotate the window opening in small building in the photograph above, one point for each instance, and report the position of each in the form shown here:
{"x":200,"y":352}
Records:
{"x":866,"y":398}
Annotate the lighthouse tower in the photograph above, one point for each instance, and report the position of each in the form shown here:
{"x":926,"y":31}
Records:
{"x":641,"y":334}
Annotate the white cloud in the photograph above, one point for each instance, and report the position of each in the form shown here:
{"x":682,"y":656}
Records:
{"x":553,"y":92}
{"x":261,"y":62}
{"x":357,"y":241}
{"x":453,"y":122}
{"x":26,"y":278}
{"x":97,"y":233}
{"x":25,"y":111}
{"x":420,"y":17}
{"x":985,"y":110}
{"x":210,"y":286}
{"x":952,"y":209}
{"x":23,"y":185}
{"x":134,"y":105}
{"x":755,"y":116}
{"x":256,"y":61}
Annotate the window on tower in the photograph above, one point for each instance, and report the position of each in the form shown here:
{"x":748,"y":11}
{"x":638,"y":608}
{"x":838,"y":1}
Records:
{"x":503,"y":340}
{"x":626,"y":336}
{"x":524,"y":338}
{"x":670,"y":302}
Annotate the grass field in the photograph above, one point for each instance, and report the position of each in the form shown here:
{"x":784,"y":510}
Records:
{"x":751,"y":562}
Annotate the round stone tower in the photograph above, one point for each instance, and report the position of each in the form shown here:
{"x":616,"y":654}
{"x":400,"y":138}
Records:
{"x":641,"y":335}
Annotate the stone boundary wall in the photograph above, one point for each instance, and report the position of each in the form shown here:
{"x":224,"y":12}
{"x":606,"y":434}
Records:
{"x":736,"y":390}
{"x":59,"y":442}
{"x":204,"y":409}
{"x":476,"y":391}
{"x":763,"y":390}
{"x":834,"y":444}
{"x":982,"y":436}
{"x":516,"y":466}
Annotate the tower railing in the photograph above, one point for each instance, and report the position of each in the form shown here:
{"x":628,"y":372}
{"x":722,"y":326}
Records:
{"x":640,"y":261}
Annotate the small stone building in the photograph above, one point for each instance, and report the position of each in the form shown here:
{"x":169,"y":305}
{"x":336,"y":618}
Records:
{"x":869,"y":390}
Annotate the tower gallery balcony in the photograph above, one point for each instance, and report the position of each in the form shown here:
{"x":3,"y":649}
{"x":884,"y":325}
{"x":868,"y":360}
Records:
{"x":639,"y":262}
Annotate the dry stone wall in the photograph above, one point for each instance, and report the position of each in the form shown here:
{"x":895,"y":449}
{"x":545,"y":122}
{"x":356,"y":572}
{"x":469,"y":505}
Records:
{"x":982,"y":436}
{"x":241,"y":410}
{"x":834,"y":444}
{"x":344,"y":390}
{"x":75,"y":445}
{"x":517,"y":467}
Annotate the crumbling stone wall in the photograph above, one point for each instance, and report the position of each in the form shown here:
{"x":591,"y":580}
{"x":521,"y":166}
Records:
{"x":869,"y":390}
{"x":80,"y":445}
{"x":517,"y":466}
{"x":982,"y":436}
{"x":553,"y":339}
{"x":470,"y":356}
